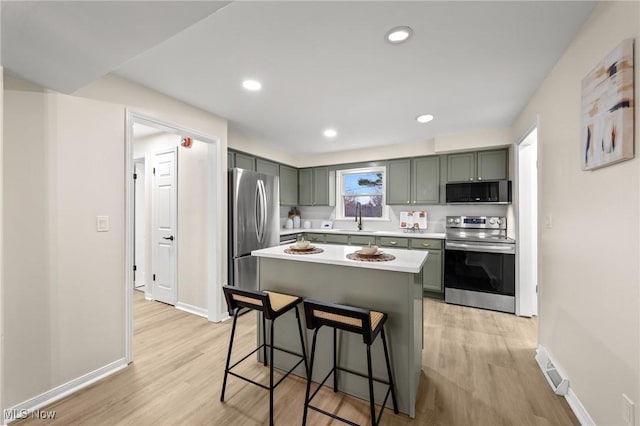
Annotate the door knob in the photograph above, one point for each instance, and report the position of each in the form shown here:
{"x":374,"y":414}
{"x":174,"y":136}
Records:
{"x":168,"y":238}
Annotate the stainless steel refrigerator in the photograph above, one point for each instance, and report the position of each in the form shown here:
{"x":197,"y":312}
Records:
{"x":254,"y":215}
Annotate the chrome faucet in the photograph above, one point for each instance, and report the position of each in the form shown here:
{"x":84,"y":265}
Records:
{"x":359,"y":215}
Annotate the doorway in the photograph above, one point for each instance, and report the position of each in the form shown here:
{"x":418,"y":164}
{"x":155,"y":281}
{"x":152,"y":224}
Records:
{"x":527,"y":153}
{"x":192,"y":174}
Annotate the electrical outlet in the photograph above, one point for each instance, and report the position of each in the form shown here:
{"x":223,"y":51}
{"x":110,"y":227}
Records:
{"x":548,"y":221}
{"x":628,"y":414}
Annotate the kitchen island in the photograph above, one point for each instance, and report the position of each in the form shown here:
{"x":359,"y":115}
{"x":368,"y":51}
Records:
{"x":393,"y":287}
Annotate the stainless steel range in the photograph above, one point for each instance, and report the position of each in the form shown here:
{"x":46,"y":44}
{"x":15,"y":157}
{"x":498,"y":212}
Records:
{"x":479,"y":262}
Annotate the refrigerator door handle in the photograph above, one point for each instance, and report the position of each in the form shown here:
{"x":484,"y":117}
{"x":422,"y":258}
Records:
{"x":263,"y":205}
{"x":261,"y":210}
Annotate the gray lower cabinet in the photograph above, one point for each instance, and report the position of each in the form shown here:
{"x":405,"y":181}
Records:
{"x":394,"y":242}
{"x":336,"y":239}
{"x":478,"y":166}
{"x":432,"y":272}
{"x":362,"y":240}
{"x":288,"y":186}
{"x":267,"y":167}
{"x":244,"y":161}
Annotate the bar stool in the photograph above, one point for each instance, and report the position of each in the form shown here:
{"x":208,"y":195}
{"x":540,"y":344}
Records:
{"x":355,"y":320}
{"x":272,"y":305}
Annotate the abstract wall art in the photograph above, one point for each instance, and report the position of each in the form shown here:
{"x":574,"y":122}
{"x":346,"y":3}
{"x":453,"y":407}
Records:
{"x":608,"y":109}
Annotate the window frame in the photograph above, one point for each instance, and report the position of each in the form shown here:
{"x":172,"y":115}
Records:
{"x":340,"y":174}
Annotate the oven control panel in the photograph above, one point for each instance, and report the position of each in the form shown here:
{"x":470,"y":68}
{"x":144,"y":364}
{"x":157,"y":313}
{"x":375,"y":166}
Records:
{"x":477,"y":222}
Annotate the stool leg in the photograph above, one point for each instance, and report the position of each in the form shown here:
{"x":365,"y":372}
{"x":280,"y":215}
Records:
{"x":226,"y":369}
{"x":372,"y":401}
{"x":271,"y":375}
{"x":335,"y":360}
{"x":264,"y":340}
{"x":304,"y":353}
{"x":306,"y":397}
{"x":386,"y":357}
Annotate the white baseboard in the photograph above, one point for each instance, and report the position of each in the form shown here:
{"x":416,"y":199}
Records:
{"x":63,"y":390}
{"x":201,"y":312}
{"x":542,"y":355}
{"x":578,"y":409}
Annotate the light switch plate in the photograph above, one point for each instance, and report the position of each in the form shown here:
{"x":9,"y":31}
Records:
{"x":102,"y":223}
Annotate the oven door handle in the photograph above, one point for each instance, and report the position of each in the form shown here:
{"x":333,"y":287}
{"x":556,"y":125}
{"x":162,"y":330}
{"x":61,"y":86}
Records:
{"x":482,"y":248}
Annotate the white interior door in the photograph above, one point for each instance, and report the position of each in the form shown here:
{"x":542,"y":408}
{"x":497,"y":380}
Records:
{"x":164,"y":228}
{"x":140,"y":225}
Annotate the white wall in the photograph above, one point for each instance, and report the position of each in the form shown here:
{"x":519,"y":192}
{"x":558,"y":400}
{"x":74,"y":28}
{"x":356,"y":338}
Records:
{"x":64,"y":303}
{"x":192,"y":213}
{"x":117,"y":90}
{"x":590,"y":258}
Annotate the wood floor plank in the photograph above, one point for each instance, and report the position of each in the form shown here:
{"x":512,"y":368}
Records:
{"x":477,"y":369}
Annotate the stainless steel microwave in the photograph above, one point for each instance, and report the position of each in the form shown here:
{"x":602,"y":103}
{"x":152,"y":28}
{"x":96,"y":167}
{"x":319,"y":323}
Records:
{"x":485,"y":192}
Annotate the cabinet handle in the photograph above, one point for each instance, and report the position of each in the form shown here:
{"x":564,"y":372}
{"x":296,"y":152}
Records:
{"x":470,"y":178}
{"x":393,"y":243}
{"x":425,"y":244}
{"x":414,"y":202}
{"x":408,"y":201}
{"x":479,"y":178}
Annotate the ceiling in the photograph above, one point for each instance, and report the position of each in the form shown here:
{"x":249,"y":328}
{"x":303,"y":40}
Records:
{"x":473,"y":65}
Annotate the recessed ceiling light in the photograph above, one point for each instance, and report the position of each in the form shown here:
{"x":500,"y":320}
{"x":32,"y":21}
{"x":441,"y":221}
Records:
{"x":398,"y":34}
{"x":424,"y":118}
{"x":252,"y":85}
{"x":330,"y":133}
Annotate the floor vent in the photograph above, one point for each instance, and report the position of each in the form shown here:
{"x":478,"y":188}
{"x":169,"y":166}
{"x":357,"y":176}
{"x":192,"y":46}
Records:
{"x":556,"y":377}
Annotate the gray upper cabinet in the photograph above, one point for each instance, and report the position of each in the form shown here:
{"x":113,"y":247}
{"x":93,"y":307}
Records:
{"x":305,"y":187}
{"x":244,"y":161}
{"x":493,"y":165}
{"x":231,"y":160}
{"x":288,"y":186}
{"x":314,"y":187}
{"x":425,"y":180}
{"x":477,"y":166}
{"x":267,"y":167}
{"x":461,"y":167}
{"x":399,"y":182}
{"x":415,"y":181}
{"x":321,"y":186}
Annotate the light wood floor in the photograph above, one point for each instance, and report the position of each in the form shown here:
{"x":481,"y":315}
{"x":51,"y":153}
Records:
{"x":478,"y":369}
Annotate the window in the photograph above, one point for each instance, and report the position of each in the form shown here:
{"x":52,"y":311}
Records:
{"x":364,"y":186}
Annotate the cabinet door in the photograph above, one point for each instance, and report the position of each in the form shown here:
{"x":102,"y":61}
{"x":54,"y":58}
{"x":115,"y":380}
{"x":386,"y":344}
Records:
{"x":336,"y":239}
{"x":266,"y":167}
{"x":432,"y":272}
{"x":305,"y":187}
{"x":315,"y":238}
{"x":231,"y":160}
{"x":399,"y":182}
{"x":246,"y":162}
{"x":362,"y":240}
{"x":288,"y":186}
{"x":461,"y":167}
{"x":425,"y":180}
{"x":492,"y":165}
{"x":320,"y":186}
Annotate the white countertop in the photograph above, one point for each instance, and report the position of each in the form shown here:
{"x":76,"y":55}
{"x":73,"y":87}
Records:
{"x":410,"y":261}
{"x":435,"y":235}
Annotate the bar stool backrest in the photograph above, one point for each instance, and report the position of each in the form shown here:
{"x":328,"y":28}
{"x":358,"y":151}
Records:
{"x":242,"y":298}
{"x":348,"y":318}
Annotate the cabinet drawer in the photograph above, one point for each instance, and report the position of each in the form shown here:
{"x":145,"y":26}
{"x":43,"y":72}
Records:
{"x":315,"y":238}
{"x":394,"y":242}
{"x":337,"y":239}
{"x":425,"y":244}
{"x":362,"y":240}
